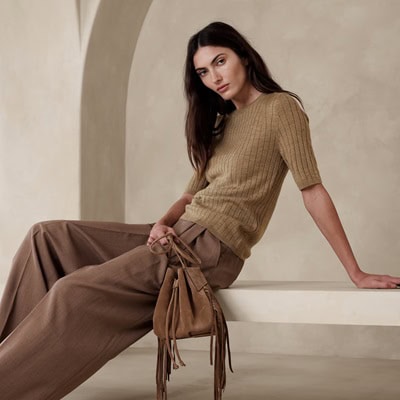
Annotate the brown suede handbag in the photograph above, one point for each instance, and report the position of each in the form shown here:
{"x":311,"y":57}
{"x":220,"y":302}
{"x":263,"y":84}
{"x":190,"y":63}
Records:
{"x":187,"y":307}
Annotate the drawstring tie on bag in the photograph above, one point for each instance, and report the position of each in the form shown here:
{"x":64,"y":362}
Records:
{"x":187,"y":307}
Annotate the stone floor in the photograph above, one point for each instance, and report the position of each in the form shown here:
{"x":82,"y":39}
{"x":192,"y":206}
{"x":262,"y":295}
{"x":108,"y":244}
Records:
{"x":257,"y":376}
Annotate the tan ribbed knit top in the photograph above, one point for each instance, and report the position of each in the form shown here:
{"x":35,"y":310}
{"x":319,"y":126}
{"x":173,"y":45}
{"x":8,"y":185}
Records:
{"x":244,"y":176}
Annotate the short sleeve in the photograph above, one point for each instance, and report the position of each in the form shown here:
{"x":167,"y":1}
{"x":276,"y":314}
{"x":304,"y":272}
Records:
{"x":294,"y":141}
{"x":195,"y":184}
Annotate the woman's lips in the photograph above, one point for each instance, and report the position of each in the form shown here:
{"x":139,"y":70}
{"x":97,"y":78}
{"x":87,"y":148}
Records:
{"x":223,"y":88}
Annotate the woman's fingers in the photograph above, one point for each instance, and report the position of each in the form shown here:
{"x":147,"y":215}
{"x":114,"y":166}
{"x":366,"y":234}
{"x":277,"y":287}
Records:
{"x":164,"y":241}
{"x":373,"y":281}
{"x":157,"y":232}
{"x":390,"y":281}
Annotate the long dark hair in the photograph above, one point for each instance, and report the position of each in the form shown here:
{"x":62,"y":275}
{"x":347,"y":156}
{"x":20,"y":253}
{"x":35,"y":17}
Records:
{"x":204,"y":105}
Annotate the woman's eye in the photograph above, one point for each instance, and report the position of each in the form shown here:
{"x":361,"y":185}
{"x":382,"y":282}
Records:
{"x":221,"y":59}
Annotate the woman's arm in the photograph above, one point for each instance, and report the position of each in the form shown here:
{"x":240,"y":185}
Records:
{"x":163,"y":225}
{"x":320,"y":206}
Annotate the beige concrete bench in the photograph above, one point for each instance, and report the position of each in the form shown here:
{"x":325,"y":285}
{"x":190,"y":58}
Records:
{"x":338,"y":303}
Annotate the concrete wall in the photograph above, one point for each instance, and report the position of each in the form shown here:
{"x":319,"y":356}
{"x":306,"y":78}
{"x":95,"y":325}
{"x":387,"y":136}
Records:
{"x":40,"y":81}
{"x":341,"y":57}
{"x":104,"y":90}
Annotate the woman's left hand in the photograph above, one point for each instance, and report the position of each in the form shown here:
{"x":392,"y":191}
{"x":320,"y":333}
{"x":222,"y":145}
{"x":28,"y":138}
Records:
{"x":374,"y":281}
{"x":158,"y":231}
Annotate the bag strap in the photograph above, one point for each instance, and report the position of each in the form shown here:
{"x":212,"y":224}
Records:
{"x":184,"y":252}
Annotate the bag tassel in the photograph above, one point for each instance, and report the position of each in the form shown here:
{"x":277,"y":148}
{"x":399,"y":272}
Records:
{"x":168,"y":355}
{"x":220,"y":330}
{"x":173,"y":309}
{"x":163,"y":370}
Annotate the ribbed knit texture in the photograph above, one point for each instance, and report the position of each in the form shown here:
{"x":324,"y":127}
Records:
{"x":244,"y":176}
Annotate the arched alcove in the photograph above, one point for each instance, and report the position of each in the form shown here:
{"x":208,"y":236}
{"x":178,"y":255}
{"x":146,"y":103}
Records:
{"x":110,"y":50}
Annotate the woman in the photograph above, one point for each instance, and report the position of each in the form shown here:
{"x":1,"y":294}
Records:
{"x":80,"y":292}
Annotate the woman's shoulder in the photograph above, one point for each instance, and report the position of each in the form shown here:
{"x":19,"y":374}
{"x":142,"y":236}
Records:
{"x":286,"y":101}
{"x":280,"y":99}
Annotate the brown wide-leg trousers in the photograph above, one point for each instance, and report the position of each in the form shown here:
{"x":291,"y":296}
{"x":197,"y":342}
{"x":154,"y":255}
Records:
{"x":81,"y":292}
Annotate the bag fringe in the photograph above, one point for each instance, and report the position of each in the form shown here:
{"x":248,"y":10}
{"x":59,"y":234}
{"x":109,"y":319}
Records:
{"x":220,"y":346}
{"x":163,"y":369}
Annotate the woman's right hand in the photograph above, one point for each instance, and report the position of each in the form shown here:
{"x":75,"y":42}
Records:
{"x":159,"y":230}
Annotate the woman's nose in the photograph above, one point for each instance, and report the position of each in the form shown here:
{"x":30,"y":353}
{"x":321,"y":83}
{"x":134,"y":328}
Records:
{"x":215,"y":76}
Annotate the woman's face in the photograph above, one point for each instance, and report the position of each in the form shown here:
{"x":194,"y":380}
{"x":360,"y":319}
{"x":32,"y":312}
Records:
{"x":222,"y":71}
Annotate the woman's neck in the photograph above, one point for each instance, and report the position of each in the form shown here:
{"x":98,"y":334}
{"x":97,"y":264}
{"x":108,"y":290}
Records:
{"x":246,"y":97}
